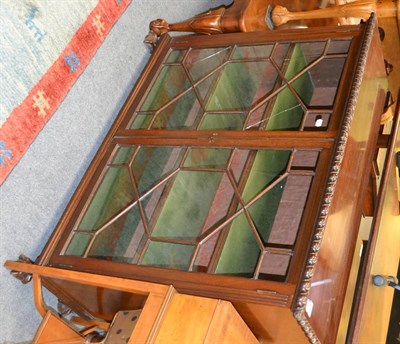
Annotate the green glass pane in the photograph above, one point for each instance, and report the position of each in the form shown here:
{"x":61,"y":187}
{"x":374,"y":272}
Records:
{"x":175,"y":55}
{"x":223,"y":121}
{"x":241,"y":85}
{"x":267,"y":166}
{"x":240,"y":252}
{"x":168,"y":255}
{"x":141,"y":122}
{"x":181,"y":114}
{"x":286,"y":112}
{"x":151,"y":164}
{"x":78,"y":244}
{"x":153,"y":201}
{"x":302,"y":55}
{"x":205,"y":87}
{"x":251,"y":52}
{"x":201,"y":62}
{"x":171,"y":81}
{"x":123,"y":155}
{"x":187,"y":204}
{"x":204,"y":157}
{"x":263,"y":211}
{"x":113,"y":195}
{"x":122,"y":240}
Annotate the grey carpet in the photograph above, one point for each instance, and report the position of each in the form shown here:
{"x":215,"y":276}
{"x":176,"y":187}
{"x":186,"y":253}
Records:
{"x":37,"y":191}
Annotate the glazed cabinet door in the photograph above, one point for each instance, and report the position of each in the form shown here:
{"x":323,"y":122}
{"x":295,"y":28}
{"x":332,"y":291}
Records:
{"x":211,"y":176}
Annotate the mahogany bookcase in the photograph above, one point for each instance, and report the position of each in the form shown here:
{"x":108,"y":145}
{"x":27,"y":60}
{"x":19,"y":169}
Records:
{"x":237,"y":170}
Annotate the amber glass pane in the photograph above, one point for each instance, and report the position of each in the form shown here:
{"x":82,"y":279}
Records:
{"x":241,"y":85}
{"x":239,"y":159}
{"x":274,"y":264}
{"x":223,"y":204}
{"x":168,"y":255}
{"x":288,"y":217}
{"x":113,"y":195}
{"x":205,"y":253}
{"x":339,"y":46}
{"x":122,"y":240}
{"x":319,"y":85}
{"x":151,"y":164}
{"x":171,"y":81}
{"x":279,"y":54}
{"x":240,"y":253}
{"x":305,"y":159}
{"x":317,"y":120}
{"x":255,"y":118}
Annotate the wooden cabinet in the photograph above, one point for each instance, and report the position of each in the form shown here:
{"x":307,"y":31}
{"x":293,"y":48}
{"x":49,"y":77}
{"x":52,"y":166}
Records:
{"x":236,"y":170}
{"x":159,"y":315}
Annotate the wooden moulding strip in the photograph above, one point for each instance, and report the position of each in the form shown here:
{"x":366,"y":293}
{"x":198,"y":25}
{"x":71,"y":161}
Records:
{"x":312,"y":256}
{"x":115,"y":283}
{"x":365,"y":269}
{"x":157,"y":314}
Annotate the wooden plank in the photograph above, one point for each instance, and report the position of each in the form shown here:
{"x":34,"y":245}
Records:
{"x":54,"y":330}
{"x":90,"y":279}
{"x":228,"y":327}
{"x":187,"y":320}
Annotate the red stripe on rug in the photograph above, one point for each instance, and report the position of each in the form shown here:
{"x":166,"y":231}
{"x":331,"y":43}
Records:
{"x":27,"y":119}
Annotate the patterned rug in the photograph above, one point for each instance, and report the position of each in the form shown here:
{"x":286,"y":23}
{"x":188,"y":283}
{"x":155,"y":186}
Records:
{"x":44,"y":47}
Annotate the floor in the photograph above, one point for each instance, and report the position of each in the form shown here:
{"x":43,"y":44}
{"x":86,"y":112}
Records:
{"x":37,"y":191}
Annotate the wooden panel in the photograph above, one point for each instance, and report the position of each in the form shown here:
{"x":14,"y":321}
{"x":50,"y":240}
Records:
{"x":192,"y":319}
{"x":100,"y":302}
{"x":375,"y":318}
{"x":271,"y":324}
{"x":54,"y":330}
{"x":187,"y":320}
{"x":329,"y":282}
{"x":228,"y":327}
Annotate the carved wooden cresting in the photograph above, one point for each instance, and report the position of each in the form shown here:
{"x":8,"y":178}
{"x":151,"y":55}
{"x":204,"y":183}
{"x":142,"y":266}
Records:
{"x":207,"y":23}
{"x":252,"y":15}
{"x":359,"y":9}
